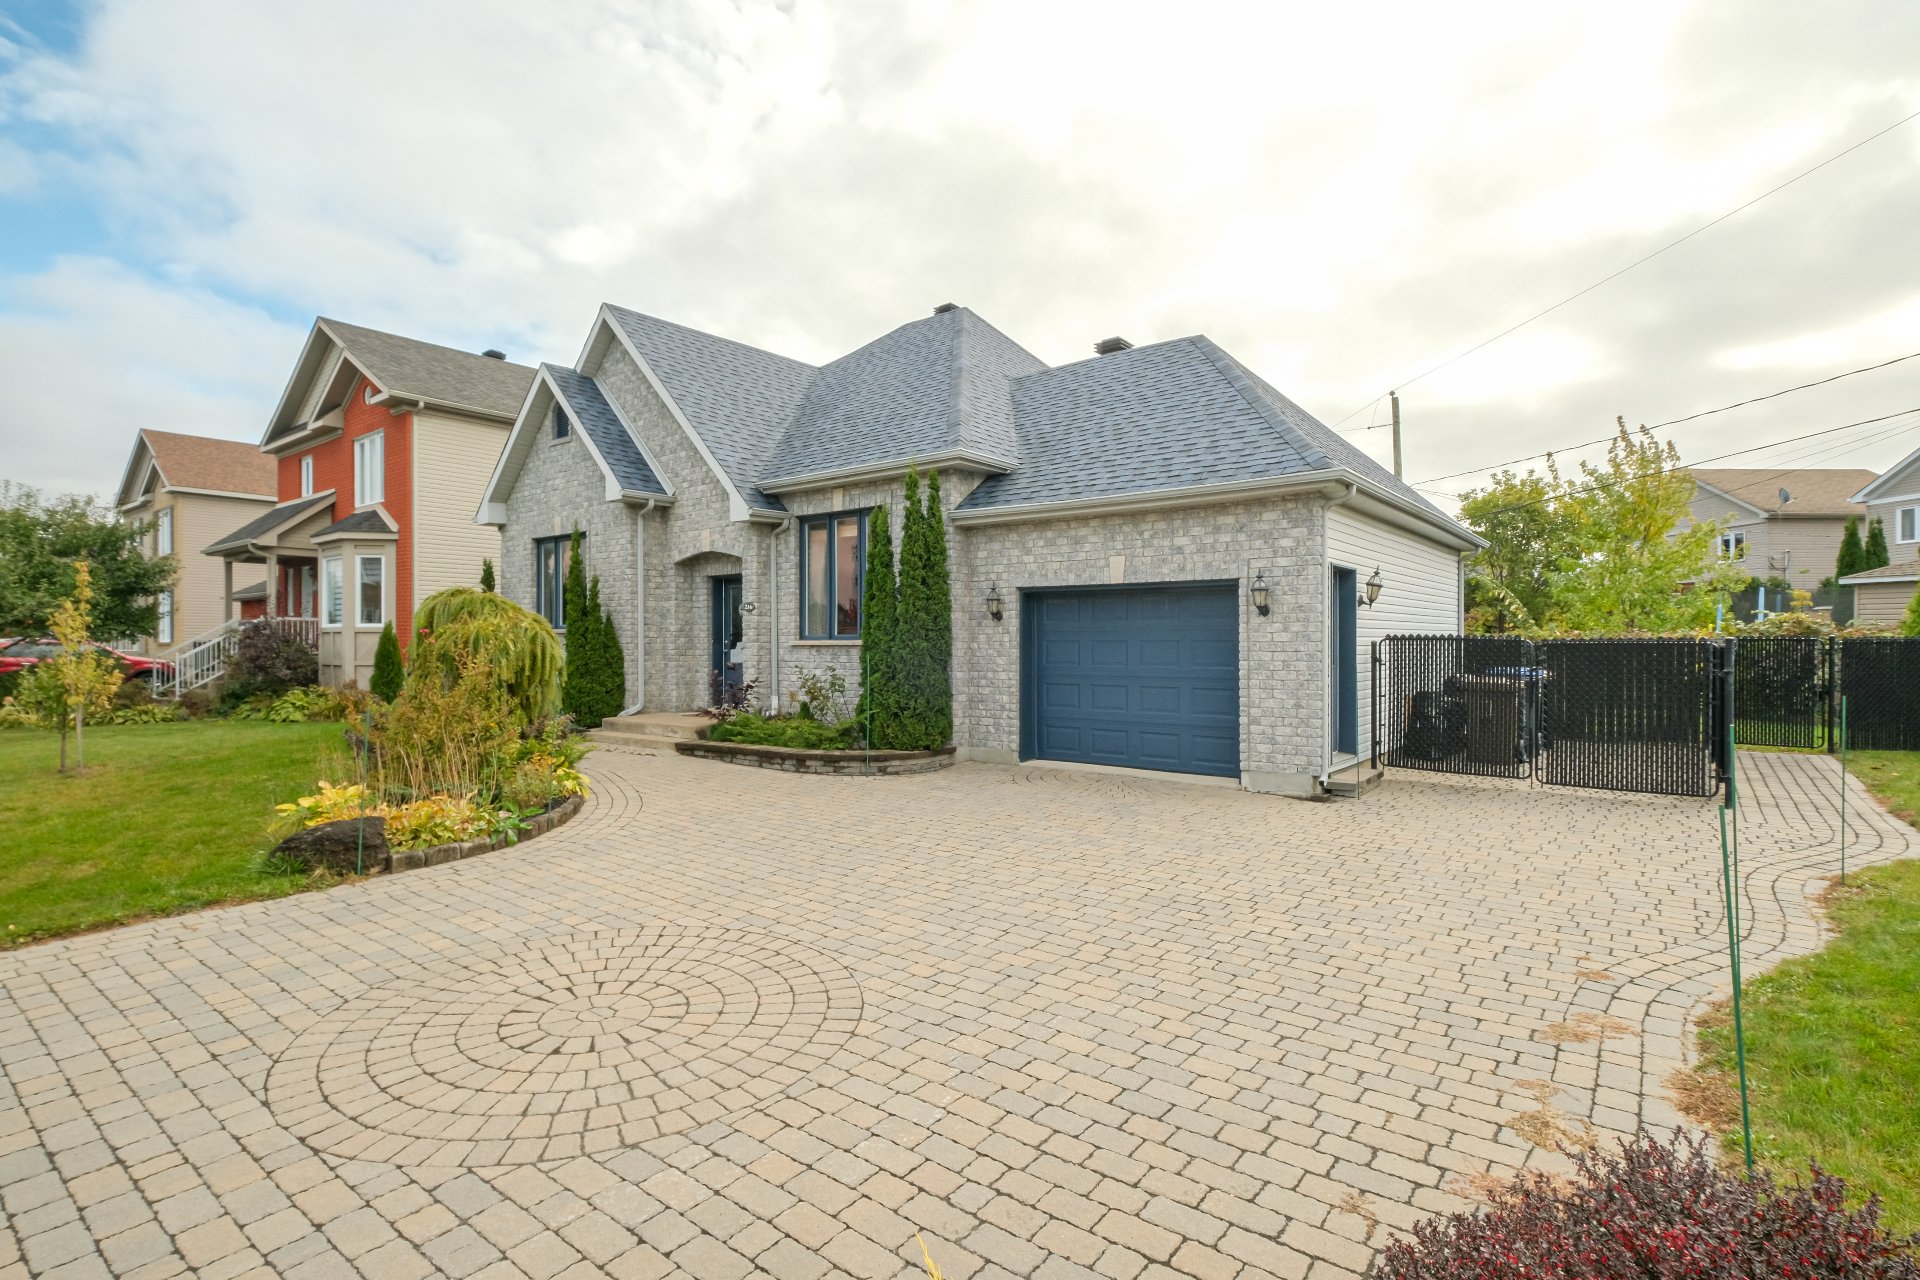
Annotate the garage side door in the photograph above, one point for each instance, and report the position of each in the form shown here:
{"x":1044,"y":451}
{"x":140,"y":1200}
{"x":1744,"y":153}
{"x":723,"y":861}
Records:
{"x":1147,"y":677}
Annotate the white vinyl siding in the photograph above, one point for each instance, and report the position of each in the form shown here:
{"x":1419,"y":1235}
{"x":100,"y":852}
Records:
{"x":452,"y":462}
{"x":1882,"y":602}
{"x":1419,"y":592}
{"x":370,"y":469}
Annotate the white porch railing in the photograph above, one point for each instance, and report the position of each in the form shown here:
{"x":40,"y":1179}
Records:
{"x":205,"y":658}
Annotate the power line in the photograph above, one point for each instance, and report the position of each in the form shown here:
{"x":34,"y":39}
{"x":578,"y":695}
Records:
{"x":1672,"y":422}
{"x":1406,"y":382}
{"x":1701,"y":462}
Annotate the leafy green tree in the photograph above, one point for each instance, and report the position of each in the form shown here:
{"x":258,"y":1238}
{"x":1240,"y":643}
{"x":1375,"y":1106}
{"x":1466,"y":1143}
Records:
{"x":1876,"y":553}
{"x":41,"y":542}
{"x":388,"y":673}
{"x":923,"y":630}
{"x":1603,"y":553}
{"x":1852,"y":551}
{"x":486,"y":575}
{"x":878,"y":710}
{"x":1910,"y":625}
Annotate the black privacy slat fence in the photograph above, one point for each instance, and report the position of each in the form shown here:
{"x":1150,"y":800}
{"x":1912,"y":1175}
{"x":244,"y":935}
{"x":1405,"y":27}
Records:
{"x":1457,"y":704}
{"x":1629,"y":715}
{"x":1880,"y":679}
{"x":1780,"y":692}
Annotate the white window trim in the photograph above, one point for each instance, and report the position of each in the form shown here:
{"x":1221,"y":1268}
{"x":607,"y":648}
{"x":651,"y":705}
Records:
{"x":369,"y":482}
{"x":358,"y":624}
{"x":327,"y":597}
{"x":163,"y":631}
{"x":306,"y":476}
{"x":163,"y":531}
{"x":1899,"y":512}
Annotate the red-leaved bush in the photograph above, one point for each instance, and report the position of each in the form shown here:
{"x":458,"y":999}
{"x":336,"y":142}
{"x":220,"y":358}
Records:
{"x":1656,"y":1211}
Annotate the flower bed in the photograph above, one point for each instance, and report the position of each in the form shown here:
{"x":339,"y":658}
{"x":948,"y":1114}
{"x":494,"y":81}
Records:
{"x":801,"y":760}
{"x":410,"y":859}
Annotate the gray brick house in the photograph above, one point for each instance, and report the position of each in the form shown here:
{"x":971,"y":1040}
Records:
{"x":1126,"y":512}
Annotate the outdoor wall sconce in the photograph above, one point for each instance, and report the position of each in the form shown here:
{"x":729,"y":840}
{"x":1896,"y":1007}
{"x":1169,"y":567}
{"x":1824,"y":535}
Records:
{"x":1262,"y":601}
{"x":1373,"y":587}
{"x":993,"y":602}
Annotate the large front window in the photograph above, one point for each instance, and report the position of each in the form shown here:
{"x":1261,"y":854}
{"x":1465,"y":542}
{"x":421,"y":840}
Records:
{"x":833,"y":562}
{"x":371,"y":580}
{"x":550,"y":559}
{"x":332,"y":604}
{"x":370,"y":469}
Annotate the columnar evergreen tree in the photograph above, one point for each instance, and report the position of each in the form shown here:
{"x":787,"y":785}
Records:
{"x":603,"y":681}
{"x":1852,"y":552}
{"x":1876,"y":555}
{"x":578,"y":626}
{"x":486,"y":575}
{"x":879,"y":606}
{"x":388,"y":673}
{"x":923,"y":639}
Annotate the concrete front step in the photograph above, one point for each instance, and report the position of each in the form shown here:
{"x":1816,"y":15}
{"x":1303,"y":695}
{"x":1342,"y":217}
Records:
{"x":656,"y":727}
{"x":633,"y":741}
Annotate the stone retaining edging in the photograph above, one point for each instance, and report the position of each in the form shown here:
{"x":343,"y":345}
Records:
{"x":797,"y":760}
{"x":410,"y":859}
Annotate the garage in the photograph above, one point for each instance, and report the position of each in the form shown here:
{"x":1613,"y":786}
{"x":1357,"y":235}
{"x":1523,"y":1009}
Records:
{"x":1145,"y":677}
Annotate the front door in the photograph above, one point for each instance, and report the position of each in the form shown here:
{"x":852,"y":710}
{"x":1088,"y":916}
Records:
{"x":729,"y":642}
{"x":1344,"y":670}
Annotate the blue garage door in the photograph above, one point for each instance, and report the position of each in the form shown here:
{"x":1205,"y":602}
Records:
{"x":1147,"y":677}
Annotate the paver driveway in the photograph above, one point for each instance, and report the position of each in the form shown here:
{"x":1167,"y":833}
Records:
{"x":734,"y":1022}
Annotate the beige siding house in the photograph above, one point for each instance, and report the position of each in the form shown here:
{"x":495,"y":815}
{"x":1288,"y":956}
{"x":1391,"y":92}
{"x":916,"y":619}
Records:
{"x":1881,"y":595}
{"x":186,"y":491}
{"x":1795,"y":537}
{"x":1157,"y":560}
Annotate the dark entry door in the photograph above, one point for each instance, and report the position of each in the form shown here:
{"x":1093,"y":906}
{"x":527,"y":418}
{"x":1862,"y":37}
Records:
{"x":729,"y":644}
{"x":1147,"y":677}
{"x":1344,"y":670}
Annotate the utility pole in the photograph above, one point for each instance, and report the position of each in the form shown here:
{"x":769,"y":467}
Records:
{"x":1396,"y":433}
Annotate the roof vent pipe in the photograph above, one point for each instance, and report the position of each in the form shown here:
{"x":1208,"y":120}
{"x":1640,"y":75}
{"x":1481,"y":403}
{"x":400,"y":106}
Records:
{"x":1111,"y":346}
{"x":494,"y":353}
{"x":945,"y":307}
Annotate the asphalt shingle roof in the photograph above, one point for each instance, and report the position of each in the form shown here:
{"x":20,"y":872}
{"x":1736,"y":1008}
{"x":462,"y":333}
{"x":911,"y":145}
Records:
{"x":198,"y":462}
{"x":936,"y":386}
{"x":739,"y":399}
{"x":590,"y":412}
{"x":410,"y":367}
{"x":1895,"y":572}
{"x":1815,"y":491}
{"x":368,"y":521}
{"x":271,"y":519}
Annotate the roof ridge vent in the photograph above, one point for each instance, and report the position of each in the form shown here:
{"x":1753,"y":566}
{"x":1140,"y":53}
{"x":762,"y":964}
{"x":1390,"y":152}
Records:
{"x":945,"y":307}
{"x":1111,"y":346}
{"x":494,"y":353}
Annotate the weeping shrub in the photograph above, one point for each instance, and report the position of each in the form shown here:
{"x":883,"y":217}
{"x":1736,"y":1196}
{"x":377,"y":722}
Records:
{"x":516,"y":644}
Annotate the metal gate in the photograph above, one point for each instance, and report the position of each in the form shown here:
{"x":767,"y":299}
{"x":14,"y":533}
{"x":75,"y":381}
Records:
{"x":1620,"y":715}
{"x":1880,"y":679}
{"x":1630,"y":715}
{"x":1780,"y":697}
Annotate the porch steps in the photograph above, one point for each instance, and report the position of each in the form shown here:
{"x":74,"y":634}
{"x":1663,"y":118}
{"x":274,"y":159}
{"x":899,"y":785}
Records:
{"x":1355,"y":779}
{"x":656,"y":730}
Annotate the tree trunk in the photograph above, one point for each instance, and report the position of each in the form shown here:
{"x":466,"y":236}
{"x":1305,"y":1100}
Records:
{"x":80,"y":739}
{"x":63,"y":744}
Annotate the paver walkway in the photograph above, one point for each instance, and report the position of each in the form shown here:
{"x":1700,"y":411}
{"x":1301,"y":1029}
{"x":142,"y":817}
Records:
{"x":733,"y":1022}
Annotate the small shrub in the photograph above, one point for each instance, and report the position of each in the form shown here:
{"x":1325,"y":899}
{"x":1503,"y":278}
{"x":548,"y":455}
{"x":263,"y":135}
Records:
{"x":1652,"y":1209}
{"x":436,"y":820}
{"x":269,"y":660}
{"x":728,"y":700}
{"x":133,"y":693}
{"x":799,"y":732}
{"x":198,"y":704}
{"x":486,"y":575}
{"x":315,"y":704}
{"x":388,"y":674}
{"x":329,"y":804}
{"x":145,"y":713}
{"x":819,"y":695}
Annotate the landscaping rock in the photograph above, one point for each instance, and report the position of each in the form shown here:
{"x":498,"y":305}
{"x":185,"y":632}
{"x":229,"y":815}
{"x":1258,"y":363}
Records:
{"x":338,"y":846}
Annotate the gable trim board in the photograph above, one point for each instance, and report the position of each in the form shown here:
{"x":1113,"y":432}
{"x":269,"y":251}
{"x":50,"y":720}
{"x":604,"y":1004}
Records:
{"x":1869,"y":492}
{"x":542,"y":396}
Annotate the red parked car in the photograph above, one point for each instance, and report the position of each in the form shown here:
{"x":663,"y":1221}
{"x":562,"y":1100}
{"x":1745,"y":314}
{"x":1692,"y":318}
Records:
{"x":18,"y":655}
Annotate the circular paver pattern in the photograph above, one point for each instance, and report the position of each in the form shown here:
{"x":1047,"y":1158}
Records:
{"x":563,"y":1045}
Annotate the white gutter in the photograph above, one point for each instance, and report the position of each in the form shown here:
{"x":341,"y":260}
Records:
{"x":639,"y":609}
{"x":1326,"y":594}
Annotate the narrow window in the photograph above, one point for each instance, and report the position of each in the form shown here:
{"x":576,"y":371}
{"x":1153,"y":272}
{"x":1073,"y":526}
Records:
{"x":164,"y":632}
{"x":561,"y":427}
{"x":370,"y":469}
{"x":1906,"y":525}
{"x":551,"y":558}
{"x":331,"y":604}
{"x":163,"y":532}
{"x":371,"y":572}
{"x":1731,"y":544}
{"x":306,"y":476}
{"x":833,"y":552}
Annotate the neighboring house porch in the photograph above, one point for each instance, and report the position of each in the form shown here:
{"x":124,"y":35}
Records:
{"x":1157,"y":560}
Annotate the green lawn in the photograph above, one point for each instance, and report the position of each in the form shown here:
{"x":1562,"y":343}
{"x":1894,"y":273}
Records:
{"x":1833,"y":1039}
{"x":166,"y":818}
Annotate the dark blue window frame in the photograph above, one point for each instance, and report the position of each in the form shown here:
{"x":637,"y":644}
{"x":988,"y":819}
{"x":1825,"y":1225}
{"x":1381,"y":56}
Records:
{"x":562,"y":425}
{"x":831,"y":523}
{"x":550,"y":577}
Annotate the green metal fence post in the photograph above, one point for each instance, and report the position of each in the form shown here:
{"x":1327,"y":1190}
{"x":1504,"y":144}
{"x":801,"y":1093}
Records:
{"x":1730,"y":873}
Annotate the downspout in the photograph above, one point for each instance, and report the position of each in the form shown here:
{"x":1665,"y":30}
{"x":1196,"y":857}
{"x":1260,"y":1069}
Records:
{"x":1326,"y":613}
{"x":773,"y":621}
{"x":639,"y":610}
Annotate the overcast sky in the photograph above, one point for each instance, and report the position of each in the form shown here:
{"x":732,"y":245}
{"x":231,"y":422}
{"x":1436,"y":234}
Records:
{"x":1342,"y":195}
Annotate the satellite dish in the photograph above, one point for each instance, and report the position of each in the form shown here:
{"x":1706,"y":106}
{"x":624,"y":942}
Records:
{"x":1785,"y":497}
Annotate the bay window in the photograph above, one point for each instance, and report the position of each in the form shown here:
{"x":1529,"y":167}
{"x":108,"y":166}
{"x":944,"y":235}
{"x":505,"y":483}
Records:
{"x":370,"y":574}
{"x":833,"y":562}
{"x":332,"y":606}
